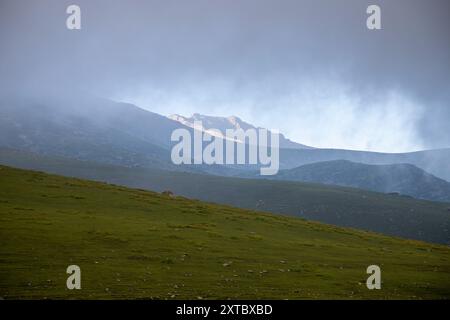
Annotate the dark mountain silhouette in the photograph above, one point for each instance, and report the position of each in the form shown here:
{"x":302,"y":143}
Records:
{"x":405,"y":179}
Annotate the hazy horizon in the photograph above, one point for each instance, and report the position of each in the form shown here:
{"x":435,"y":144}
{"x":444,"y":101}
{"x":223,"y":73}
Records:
{"x":310,"y":69}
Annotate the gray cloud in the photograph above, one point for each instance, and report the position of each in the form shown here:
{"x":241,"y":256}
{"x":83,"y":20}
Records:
{"x":309,"y":68}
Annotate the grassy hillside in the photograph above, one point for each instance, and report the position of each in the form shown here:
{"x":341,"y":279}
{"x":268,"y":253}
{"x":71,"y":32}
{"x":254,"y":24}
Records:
{"x":139,"y":244}
{"x":388,"y":214}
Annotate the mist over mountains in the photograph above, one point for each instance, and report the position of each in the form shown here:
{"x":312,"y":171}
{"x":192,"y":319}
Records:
{"x":115,"y":156}
{"x":89,"y":128}
{"x":310,"y":68}
{"x":124,"y":144}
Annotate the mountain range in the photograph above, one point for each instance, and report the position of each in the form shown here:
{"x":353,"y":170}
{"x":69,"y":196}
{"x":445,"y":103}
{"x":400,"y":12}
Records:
{"x":102,"y":130}
{"x":121,"y":143}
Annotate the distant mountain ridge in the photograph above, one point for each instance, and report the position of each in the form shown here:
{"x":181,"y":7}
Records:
{"x":223,"y":123}
{"x":101,"y":130}
{"x":405,"y":179}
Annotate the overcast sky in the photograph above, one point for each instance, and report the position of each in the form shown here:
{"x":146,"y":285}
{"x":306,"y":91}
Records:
{"x":308,"y":68}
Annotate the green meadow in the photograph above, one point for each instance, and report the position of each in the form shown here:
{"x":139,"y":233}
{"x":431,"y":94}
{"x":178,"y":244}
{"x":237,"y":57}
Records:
{"x":136,"y":244}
